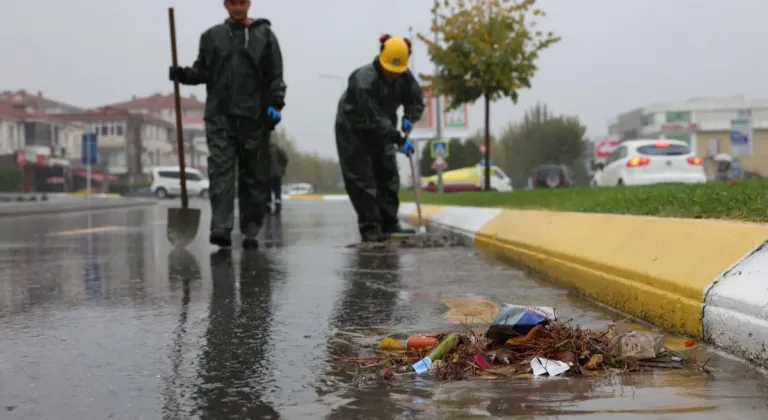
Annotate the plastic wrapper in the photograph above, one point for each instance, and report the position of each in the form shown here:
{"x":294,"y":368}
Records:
{"x":518,"y":320}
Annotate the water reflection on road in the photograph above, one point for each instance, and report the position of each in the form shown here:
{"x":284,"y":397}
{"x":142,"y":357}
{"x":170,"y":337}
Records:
{"x":99,"y":318}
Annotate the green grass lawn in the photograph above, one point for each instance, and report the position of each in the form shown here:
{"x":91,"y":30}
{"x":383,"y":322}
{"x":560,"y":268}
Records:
{"x":746,"y":201}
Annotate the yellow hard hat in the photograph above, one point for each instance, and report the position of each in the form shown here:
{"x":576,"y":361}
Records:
{"x":394,"y":53}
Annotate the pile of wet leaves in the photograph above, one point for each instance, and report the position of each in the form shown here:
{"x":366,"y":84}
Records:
{"x":555,"y":349}
{"x":420,"y":240}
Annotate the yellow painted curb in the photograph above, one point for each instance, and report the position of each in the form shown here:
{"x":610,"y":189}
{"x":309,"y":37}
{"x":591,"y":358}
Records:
{"x":654,"y":268}
{"x":307,"y":197}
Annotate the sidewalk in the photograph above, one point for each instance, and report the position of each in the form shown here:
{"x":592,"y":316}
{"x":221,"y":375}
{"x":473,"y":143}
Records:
{"x":69,"y":204}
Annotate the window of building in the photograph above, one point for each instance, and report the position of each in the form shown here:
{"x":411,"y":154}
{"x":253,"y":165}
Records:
{"x":119,"y":129}
{"x":104,"y":130}
{"x":649,"y":119}
{"x":678,"y":117}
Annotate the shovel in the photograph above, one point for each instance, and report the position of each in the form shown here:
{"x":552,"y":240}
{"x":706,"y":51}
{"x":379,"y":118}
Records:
{"x":416,"y":196}
{"x":182,"y":222}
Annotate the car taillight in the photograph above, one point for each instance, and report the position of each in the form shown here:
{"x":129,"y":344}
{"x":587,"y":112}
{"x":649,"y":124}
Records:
{"x":638,"y":161}
{"x":693,"y":160}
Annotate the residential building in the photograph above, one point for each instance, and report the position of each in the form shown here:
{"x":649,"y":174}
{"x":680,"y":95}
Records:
{"x":704,"y":123}
{"x":163,"y":106}
{"x":129,"y":143}
{"x":41,"y":137}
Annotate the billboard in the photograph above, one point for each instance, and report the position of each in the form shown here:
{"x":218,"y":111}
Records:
{"x":454,"y":123}
{"x":457,"y":119}
{"x":427,"y":121}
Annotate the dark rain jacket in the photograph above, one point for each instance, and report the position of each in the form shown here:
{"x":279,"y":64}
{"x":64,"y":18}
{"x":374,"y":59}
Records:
{"x":368,"y":107}
{"x":279,"y":161}
{"x":242,"y":68}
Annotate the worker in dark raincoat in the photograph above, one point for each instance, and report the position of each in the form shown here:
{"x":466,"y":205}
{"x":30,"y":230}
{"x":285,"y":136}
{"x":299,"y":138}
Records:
{"x":277,"y":171}
{"x":241,"y":65}
{"x":367,"y":136}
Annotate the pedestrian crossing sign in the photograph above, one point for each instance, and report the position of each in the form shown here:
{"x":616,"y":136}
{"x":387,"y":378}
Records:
{"x":439,"y":148}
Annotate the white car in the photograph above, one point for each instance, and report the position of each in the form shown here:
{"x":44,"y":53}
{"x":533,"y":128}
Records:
{"x":166,"y":182}
{"x":301,"y":188}
{"x":646,"y":162}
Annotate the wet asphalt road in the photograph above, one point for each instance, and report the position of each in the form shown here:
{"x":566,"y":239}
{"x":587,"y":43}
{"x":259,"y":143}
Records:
{"x":99,"y":320}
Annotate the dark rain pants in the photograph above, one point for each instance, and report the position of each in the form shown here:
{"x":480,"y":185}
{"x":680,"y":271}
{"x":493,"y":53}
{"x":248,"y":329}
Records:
{"x":242,"y":143}
{"x":369,"y":169}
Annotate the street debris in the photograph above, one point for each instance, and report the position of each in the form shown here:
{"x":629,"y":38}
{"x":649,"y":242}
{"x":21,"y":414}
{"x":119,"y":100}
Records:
{"x":522,"y":341}
{"x":427,"y":240}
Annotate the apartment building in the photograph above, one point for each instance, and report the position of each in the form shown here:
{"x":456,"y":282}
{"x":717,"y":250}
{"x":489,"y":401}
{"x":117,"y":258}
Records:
{"x":163,"y":106}
{"x":32,"y":125}
{"x":129,"y":143}
{"x":705,"y":123}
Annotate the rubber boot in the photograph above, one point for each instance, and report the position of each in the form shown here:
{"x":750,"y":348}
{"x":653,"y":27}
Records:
{"x":220,"y":239}
{"x":250,"y":243}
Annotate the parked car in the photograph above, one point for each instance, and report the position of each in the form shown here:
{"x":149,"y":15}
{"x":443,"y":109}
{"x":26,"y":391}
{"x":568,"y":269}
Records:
{"x":469,"y":179}
{"x":301,"y":188}
{"x":552,"y":176}
{"x":646,"y":162}
{"x":166,"y":182}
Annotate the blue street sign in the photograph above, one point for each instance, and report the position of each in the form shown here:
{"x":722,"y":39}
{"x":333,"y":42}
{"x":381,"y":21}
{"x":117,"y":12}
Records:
{"x":739,"y":138}
{"x":90,"y":149}
{"x":482,"y":162}
{"x":439,"y":148}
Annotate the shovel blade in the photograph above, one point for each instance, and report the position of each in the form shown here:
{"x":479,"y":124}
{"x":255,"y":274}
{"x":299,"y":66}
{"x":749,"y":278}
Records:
{"x":182,"y":226}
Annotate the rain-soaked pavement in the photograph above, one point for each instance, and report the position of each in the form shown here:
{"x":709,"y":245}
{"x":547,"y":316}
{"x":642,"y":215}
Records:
{"x":98,"y":321}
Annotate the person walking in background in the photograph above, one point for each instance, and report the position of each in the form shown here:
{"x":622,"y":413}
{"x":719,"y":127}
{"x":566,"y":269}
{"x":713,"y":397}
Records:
{"x":278,"y":164}
{"x":241,"y":65}
{"x":366,"y":136}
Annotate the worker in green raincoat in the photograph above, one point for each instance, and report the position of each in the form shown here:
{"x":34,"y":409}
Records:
{"x":367,"y":136}
{"x":241,"y":65}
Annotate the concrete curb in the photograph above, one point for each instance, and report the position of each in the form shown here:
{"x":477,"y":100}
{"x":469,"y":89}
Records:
{"x":698,"y":277}
{"x":47,"y":207}
{"x":329,"y":197}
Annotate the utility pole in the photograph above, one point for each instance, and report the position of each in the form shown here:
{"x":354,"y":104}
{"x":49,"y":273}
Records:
{"x":438,"y":111}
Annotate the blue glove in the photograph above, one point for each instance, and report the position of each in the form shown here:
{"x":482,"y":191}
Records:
{"x":407,"y":148}
{"x":274,"y":114}
{"x":407,"y":125}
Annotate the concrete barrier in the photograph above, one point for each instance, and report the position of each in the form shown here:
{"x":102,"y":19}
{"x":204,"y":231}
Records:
{"x":698,"y":277}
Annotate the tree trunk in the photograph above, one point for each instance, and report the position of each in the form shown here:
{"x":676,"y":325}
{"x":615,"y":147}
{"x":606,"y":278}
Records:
{"x":487,"y":143}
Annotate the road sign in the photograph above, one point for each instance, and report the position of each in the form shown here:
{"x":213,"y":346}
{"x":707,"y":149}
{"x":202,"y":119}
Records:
{"x":439,"y":148}
{"x":741,"y":137}
{"x":90,"y":149}
{"x":439,"y":163}
{"x":605,"y":148}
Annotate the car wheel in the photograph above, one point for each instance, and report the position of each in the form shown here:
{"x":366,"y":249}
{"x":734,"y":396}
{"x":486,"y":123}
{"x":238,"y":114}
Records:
{"x":204,"y":194}
{"x":161,"y":193}
{"x":553,"y":180}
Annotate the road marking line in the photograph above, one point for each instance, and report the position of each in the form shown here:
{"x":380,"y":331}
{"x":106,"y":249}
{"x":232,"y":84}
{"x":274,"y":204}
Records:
{"x":87,"y":231}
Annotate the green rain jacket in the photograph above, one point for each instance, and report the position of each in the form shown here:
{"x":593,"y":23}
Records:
{"x":242,"y":68}
{"x":369,"y":106}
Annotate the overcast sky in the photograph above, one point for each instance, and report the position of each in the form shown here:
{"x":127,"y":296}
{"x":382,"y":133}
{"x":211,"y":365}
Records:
{"x":616,"y":55}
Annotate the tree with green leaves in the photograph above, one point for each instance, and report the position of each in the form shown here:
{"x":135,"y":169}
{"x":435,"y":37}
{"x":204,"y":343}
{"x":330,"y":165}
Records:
{"x":323,"y":173}
{"x":486,"y":49}
{"x":542,"y":138}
